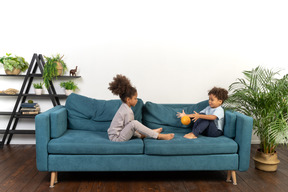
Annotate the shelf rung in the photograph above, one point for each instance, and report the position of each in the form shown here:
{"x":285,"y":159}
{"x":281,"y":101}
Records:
{"x":33,"y":95}
{"x":18,"y":131}
{"x":19,"y":115}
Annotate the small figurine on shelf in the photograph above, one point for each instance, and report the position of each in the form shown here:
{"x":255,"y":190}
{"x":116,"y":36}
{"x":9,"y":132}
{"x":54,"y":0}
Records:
{"x":73,"y":71}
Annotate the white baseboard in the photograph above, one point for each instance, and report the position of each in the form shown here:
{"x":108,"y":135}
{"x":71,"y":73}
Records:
{"x":255,"y":141}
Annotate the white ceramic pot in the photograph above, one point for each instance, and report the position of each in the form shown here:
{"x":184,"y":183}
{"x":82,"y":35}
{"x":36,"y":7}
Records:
{"x":38,"y":91}
{"x":68,"y":92}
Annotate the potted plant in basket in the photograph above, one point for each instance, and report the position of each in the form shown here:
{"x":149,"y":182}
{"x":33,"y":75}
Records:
{"x":265,"y":98}
{"x":38,"y":88}
{"x":53,"y":67}
{"x":69,"y":86}
{"x":13,"y":65}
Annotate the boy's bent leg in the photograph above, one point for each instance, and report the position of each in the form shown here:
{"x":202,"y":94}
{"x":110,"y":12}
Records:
{"x":200,"y":126}
{"x":213,"y":131}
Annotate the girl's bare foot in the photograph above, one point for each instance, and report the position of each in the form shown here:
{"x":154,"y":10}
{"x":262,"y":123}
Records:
{"x":190,"y":136}
{"x":159,"y":130}
{"x":166,"y":136}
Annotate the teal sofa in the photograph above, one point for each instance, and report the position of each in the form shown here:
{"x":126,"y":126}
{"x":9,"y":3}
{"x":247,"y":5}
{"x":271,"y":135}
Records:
{"x":74,"y":138}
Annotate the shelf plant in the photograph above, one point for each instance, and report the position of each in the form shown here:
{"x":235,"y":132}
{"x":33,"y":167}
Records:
{"x":69,"y":87}
{"x":38,"y":85}
{"x":13,"y":65}
{"x":265,"y":98}
{"x":38,"y":88}
{"x":53,"y":67}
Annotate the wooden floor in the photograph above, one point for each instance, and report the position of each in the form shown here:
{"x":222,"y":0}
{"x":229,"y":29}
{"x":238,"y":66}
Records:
{"x":18,"y":173}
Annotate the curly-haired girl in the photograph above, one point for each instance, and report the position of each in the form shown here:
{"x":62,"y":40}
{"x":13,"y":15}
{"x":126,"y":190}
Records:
{"x":209,"y":121}
{"x":123,"y":126}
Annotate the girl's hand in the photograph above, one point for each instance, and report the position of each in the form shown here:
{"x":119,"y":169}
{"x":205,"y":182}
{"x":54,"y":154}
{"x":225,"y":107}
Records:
{"x":179,"y":115}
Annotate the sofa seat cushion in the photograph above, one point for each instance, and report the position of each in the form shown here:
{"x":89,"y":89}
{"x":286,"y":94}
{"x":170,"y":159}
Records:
{"x":182,"y":146}
{"x":92,"y":142}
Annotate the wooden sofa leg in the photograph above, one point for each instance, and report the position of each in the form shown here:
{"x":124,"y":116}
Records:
{"x":228,"y":180}
{"x":52,"y":181}
{"x":233,"y":173}
{"x":234,"y":177}
{"x":56,"y":178}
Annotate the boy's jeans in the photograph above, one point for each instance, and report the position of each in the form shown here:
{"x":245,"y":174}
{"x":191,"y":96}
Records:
{"x":206,"y":128}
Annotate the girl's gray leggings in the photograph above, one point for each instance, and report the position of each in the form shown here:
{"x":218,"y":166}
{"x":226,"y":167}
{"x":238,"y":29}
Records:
{"x":131,"y":130}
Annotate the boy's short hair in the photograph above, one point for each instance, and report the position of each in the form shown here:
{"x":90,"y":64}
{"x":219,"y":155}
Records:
{"x":219,"y":93}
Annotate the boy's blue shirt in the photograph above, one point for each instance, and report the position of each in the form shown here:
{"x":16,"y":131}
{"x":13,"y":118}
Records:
{"x":219,"y":112}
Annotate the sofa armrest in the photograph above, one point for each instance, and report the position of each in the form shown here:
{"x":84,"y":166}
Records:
{"x":43,"y":136}
{"x":58,"y":122}
{"x":244,"y":125}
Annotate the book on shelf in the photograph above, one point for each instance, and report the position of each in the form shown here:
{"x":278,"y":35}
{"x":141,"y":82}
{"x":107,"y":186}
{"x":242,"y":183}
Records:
{"x":29,"y":105}
{"x":30,"y":109}
{"x":30,"y":112}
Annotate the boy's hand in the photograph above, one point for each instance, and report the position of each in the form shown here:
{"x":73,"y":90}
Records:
{"x":195,"y":116}
{"x":179,"y":115}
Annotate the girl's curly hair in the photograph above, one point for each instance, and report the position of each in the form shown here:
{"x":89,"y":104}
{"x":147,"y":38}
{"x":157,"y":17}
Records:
{"x":220,"y":93}
{"x":121,"y":86}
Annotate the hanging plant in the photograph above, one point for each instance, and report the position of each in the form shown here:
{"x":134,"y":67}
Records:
{"x":53,"y":67}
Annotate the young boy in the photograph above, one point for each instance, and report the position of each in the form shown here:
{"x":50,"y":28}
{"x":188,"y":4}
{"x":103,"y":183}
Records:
{"x":209,"y":121}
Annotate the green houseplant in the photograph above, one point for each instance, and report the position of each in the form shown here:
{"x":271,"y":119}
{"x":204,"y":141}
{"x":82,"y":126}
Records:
{"x":53,"y":67}
{"x":265,"y":98}
{"x":38,"y":88}
{"x":69,"y":87}
{"x":13,"y":65}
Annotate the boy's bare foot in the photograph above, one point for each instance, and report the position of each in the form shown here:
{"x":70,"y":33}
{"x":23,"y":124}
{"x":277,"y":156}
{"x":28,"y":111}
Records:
{"x":166,"y":136}
{"x":159,"y":130}
{"x":190,"y":136}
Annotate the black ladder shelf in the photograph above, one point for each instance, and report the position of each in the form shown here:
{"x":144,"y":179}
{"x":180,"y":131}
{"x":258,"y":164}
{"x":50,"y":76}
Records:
{"x":15,"y":115}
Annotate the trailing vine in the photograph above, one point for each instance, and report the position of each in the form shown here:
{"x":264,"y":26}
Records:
{"x":50,"y":68}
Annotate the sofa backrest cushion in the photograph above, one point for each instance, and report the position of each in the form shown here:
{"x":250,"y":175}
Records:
{"x":91,"y":114}
{"x":165,"y":114}
{"x":157,"y":115}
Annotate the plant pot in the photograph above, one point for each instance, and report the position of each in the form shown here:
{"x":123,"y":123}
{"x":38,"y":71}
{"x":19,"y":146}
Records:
{"x":59,"y":68}
{"x":68,"y":92}
{"x":266,"y":162}
{"x":15,"y":71}
{"x":38,"y":91}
